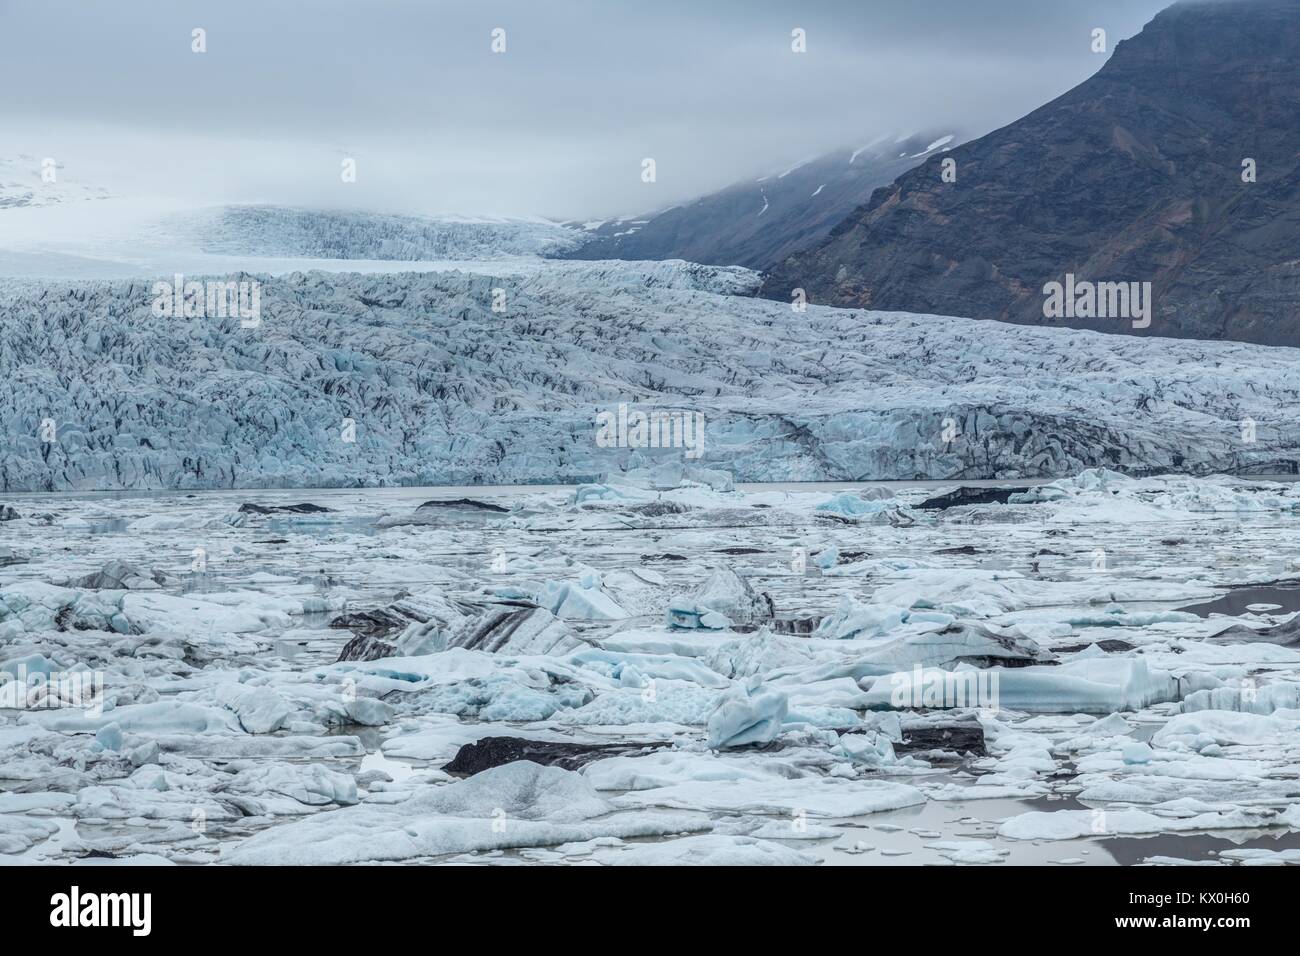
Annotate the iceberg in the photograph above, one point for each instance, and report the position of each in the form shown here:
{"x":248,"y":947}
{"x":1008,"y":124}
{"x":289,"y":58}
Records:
{"x":746,"y":714}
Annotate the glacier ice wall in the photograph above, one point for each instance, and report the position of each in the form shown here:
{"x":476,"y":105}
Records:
{"x":444,"y":390}
{"x":283,"y":231}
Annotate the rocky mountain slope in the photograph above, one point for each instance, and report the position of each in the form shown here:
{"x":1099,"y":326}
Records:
{"x":760,"y":223}
{"x":1135,"y":175}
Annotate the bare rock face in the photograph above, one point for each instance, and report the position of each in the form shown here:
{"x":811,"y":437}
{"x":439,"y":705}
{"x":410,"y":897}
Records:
{"x":1135,"y":175}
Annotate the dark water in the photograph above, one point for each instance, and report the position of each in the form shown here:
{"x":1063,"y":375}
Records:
{"x":1198,"y":846}
{"x":1236,"y":601}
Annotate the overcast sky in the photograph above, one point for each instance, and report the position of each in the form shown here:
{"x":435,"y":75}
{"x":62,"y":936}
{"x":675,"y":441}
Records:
{"x":556,"y":126}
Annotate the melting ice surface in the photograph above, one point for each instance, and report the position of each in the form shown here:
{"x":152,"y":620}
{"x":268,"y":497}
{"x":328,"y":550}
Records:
{"x":710,"y":675}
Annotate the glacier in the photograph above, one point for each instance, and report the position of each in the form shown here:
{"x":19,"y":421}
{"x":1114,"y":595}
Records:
{"x":494,"y":373}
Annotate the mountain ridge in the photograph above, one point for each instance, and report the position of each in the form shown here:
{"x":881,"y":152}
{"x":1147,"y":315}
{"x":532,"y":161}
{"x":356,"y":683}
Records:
{"x":1133,"y":175}
{"x":758,"y":223}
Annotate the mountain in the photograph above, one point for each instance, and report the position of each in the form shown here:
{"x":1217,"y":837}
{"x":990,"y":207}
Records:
{"x":758,"y":224}
{"x":1135,"y":175}
{"x":441,"y":389}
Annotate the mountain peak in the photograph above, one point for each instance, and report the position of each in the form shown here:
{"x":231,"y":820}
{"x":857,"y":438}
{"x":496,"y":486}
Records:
{"x":758,"y":223}
{"x":1176,"y":165}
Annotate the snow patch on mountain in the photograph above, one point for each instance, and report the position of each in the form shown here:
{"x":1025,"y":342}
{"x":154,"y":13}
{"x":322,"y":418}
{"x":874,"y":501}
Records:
{"x":25,"y":182}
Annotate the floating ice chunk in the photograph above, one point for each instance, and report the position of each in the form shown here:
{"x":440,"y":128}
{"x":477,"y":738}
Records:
{"x":856,"y":621}
{"x":509,"y":629}
{"x":1136,"y":752}
{"x":152,"y":611}
{"x":430,"y":623}
{"x":1248,"y":699}
{"x":520,"y":804}
{"x":28,"y":606}
{"x":747,"y":714}
{"x":447,"y":513}
{"x":122,"y":576}
{"x":368,"y":711}
{"x":19,"y":833}
{"x":584,"y":600}
{"x":969,"y":852}
{"x":636,"y":670}
{"x":672,"y":475}
{"x":109,"y":737}
{"x":1089,"y":480}
{"x":311,"y":785}
{"x":1074,"y":824}
{"x":725,"y":599}
{"x":848,"y":505}
{"x":158,"y":717}
{"x":758,"y":654}
{"x":260,"y":709}
{"x":663,"y":768}
{"x":871,"y":750}
{"x":1112,"y":726}
{"x":706,"y":850}
{"x":969,"y":592}
{"x":813,"y":795}
{"x":162,"y":522}
{"x":804,"y":691}
{"x":605,"y":493}
{"x":663,"y":701}
{"x":1200,"y":727}
{"x":961,"y":643}
{"x":1259,"y":856}
{"x":637,"y":590}
{"x":1100,"y":686}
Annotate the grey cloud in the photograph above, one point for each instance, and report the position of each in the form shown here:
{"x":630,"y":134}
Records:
{"x":557,"y":126}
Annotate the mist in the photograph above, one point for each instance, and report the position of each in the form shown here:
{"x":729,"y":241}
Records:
{"x":557,"y":125}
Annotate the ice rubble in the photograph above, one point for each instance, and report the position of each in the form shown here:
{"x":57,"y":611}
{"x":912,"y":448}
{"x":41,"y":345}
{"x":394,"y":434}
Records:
{"x":517,"y":805}
{"x":732,"y":732}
